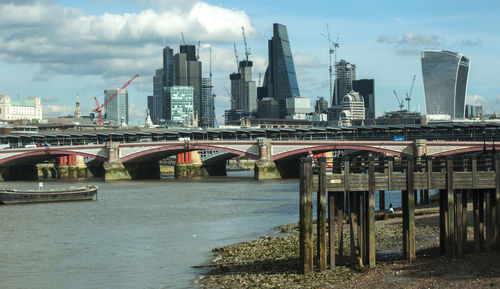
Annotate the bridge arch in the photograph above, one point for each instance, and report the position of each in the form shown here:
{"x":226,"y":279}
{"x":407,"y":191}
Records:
{"x":169,"y":150}
{"x":326,"y":148}
{"x":33,"y":157}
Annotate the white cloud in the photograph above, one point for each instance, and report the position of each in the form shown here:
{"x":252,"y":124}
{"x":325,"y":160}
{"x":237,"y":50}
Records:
{"x":307,"y":61}
{"x":69,"y":41}
{"x":475,"y":99}
{"x":56,"y":110}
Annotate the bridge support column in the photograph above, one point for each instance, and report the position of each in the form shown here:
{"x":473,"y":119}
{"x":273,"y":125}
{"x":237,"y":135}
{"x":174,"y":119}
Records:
{"x":114,"y":170}
{"x":4,"y":174}
{"x":81,"y":168}
{"x":420,"y":147}
{"x":188,"y":165}
{"x":265,"y":168}
{"x":62,"y":168}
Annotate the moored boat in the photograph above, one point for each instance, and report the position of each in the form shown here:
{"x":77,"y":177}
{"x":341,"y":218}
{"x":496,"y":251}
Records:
{"x":12,"y":196}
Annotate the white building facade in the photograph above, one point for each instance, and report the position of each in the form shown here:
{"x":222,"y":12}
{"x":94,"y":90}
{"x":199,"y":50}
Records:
{"x":17,"y":109}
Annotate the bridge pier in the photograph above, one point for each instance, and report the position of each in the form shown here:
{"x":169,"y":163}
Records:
{"x":114,"y":170}
{"x":265,"y":168}
{"x":188,"y":165}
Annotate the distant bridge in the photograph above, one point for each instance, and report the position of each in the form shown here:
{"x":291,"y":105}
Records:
{"x":140,"y":160}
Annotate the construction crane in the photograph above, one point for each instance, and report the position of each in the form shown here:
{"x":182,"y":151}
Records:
{"x":247,"y":50}
{"x":198,"y":51}
{"x":231,"y":96}
{"x":408,"y":95}
{"x":400,"y":102}
{"x":183,"y":41}
{"x":332,"y":49}
{"x":236,"y":57}
{"x":99,"y":107}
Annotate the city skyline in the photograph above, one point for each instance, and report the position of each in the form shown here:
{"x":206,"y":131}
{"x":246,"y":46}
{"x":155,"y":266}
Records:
{"x":57,"y":49}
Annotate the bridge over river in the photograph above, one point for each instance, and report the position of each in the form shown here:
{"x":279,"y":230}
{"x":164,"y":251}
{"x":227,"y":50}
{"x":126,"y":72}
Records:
{"x":273,"y":158}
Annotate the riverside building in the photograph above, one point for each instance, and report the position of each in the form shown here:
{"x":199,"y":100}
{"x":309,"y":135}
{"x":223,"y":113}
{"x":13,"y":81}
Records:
{"x":17,"y":109}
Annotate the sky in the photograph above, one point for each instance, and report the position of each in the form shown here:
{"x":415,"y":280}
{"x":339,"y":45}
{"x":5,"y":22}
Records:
{"x":56,"y":49}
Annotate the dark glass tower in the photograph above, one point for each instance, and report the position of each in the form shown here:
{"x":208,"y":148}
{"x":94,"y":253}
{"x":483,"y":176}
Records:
{"x":366,"y":87}
{"x":280,"y":80}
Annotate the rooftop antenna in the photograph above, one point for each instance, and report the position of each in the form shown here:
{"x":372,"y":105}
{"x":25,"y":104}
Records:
{"x":408,"y":95}
{"x":332,"y":49}
{"x":183,"y":41}
{"x":236,"y":57}
{"x":247,"y":50}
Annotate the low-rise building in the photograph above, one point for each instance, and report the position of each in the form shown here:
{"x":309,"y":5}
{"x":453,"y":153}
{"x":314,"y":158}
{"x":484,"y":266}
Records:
{"x":16,"y":109}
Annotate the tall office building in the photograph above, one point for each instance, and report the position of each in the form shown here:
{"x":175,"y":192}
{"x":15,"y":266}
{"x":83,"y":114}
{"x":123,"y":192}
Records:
{"x":117,"y":108}
{"x":187,"y":72}
{"x":280,"y":80}
{"x":345,"y":73}
{"x":445,"y":75}
{"x":207,"y":104}
{"x":182,"y":104}
{"x":366,"y":87}
{"x":243,"y":89}
{"x":156,"y":102}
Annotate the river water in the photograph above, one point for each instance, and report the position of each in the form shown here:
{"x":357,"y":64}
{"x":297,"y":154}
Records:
{"x":138,"y":234}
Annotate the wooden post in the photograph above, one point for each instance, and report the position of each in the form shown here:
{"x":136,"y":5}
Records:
{"x":464,"y":217}
{"x":442,"y":221}
{"x":340,"y":226}
{"x":489,"y":225}
{"x":321,"y":213}
{"x":459,"y":222}
{"x":450,"y":244}
{"x":305,"y":218}
{"x":331,"y":227}
{"x":475,"y":209}
{"x":481,"y":218}
{"x":381,"y":201}
{"x":352,"y":217}
{"x":361,"y":225}
{"x":408,"y":202}
{"x":371,"y":215}
{"x":497,"y":197}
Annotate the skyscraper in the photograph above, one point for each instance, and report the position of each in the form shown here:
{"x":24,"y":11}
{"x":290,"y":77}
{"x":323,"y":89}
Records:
{"x":117,"y":108}
{"x":207,"y":104}
{"x":157,"y":101}
{"x":321,"y":105}
{"x":182,"y":104}
{"x":366,"y":87}
{"x":345,"y":73}
{"x":280,"y":80}
{"x":187,"y":72}
{"x":445,"y":75}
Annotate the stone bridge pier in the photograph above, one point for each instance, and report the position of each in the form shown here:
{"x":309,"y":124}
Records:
{"x":265,"y":168}
{"x":114,"y":170}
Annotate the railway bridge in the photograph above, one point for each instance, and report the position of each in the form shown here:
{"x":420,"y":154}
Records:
{"x":274,"y":158}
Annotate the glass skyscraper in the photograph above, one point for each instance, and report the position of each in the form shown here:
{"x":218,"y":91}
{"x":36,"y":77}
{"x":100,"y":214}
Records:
{"x":182,"y":104}
{"x":117,"y":107}
{"x":445,"y":75}
{"x":280,"y":80}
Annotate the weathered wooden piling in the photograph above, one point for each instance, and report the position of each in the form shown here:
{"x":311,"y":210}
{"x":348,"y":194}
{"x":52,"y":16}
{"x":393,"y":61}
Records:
{"x":371,"y":215}
{"x":305,"y":218}
{"x":321,"y":214}
{"x":351,"y":190}
{"x":408,"y":204}
{"x":331,"y":227}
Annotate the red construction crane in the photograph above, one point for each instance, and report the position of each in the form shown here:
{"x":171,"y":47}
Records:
{"x":99,"y":107}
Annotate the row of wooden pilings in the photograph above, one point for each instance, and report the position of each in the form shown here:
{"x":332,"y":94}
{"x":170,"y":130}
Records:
{"x":358,"y":207}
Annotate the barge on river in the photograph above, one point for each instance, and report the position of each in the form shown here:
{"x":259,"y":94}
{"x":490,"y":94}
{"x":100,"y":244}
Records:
{"x":12,"y":196}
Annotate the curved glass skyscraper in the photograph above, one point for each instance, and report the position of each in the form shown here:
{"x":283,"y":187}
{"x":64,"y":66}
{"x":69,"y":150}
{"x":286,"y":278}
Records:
{"x":445,"y":75}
